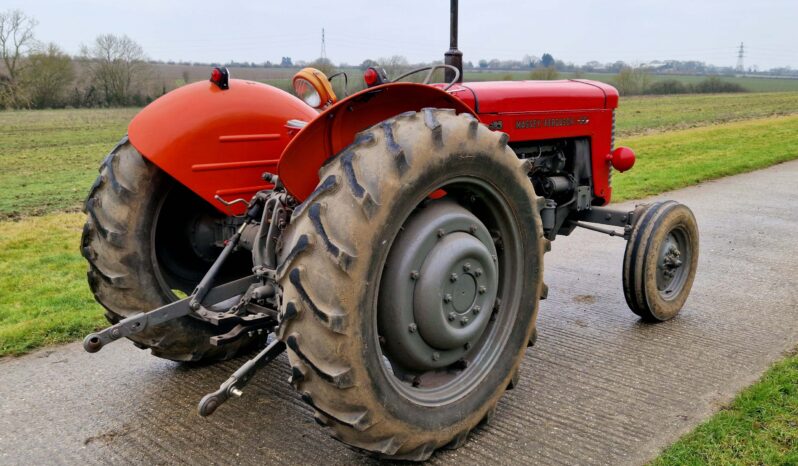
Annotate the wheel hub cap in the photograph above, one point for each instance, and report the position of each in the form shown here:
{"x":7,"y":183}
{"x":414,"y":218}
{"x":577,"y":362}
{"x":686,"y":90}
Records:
{"x":449,"y":296}
{"x":439,"y":287}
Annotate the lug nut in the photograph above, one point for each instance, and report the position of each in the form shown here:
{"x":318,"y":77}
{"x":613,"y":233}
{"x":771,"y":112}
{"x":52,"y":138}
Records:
{"x":453,"y":277}
{"x":447,"y":298}
{"x":476,"y":310}
{"x":482,"y":290}
{"x":412,"y":328}
{"x":464,"y":321}
{"x":436,"y":356}
{"x":451,"y":317}
{"x":478,"y":272}
{"x":414,"y":275}
{"x":467,"y":267}
{"x":472,"y":229}
{"x":441,"y":232}
{"x":467,"y":345}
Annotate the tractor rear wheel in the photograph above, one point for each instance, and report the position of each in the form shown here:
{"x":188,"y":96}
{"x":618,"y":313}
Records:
{"x":141,"y":242}
{"x":411,"y":279}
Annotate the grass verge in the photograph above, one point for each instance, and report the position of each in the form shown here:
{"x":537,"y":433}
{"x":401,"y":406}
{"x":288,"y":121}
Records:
{"x":759,"y":427}
{"x":43,"y":294}
{"x":677,"y":159}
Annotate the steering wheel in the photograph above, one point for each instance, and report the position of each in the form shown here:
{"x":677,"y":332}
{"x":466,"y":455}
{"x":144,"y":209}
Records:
{"x":429,"y":74}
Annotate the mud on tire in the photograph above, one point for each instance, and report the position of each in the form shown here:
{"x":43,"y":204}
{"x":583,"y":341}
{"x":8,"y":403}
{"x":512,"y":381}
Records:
{"x":331,"y":261}
{"x":117,"y":242}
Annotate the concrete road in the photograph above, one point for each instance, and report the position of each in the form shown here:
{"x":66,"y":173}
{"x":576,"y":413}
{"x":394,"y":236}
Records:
{"x":600,"y":387}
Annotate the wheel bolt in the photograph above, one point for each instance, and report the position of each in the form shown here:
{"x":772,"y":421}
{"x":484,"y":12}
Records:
{"x":412,"y":328}
{"x":467,"y":345}
{"x":414,"y":275}
{"x":451,"y":317}
{"x":472,"y":229}
{"x":447,"y":298}
{"x":453,"y":277}
{"x":467,"y":267}
{"x":436,"y":356}
{"x":464,"y":321}
{"x":478,"y":272}
{"x":441,"y":232}
{"x":482,"y":290}
{"x":476,"y":310}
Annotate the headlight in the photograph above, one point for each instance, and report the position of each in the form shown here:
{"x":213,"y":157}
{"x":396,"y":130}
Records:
{"x":305,"y":91}
{"x":313,"y":87}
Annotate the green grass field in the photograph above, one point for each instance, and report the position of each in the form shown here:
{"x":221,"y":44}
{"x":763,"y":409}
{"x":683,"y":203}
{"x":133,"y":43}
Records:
{"x":48,"y":160}
{"x":652,"y":114}
{"x":753,"y":84}
{"x":760,"y":427}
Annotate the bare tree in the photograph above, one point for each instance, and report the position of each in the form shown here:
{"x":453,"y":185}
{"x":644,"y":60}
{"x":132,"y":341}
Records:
{"x":47,"y":76}
{"x":395,"y":65}
{"x":117,"y":65}
{"x":16,"y":39}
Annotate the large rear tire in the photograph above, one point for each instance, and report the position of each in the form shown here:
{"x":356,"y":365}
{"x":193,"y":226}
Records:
{"x":135,"y":241}
{"x":379,"y":380}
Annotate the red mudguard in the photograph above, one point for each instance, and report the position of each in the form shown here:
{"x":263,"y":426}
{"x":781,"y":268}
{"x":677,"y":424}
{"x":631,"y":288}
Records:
{"x":218,"y":142}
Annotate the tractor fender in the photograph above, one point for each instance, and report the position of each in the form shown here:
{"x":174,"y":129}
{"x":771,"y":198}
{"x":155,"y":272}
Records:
{"x":218,"y":142}
{"x":336,"y":128}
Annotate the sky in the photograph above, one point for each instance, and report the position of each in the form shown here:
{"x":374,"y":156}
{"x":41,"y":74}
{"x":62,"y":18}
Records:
{"x":578,"y":31}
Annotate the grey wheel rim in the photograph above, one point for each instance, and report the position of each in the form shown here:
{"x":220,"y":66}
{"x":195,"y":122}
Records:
{"x":673,"y":263}
{"x":449,"y":293}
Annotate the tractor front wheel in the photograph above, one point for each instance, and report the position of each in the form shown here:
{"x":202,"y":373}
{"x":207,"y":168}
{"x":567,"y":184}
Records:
{"x":660,"y":260}
{"x":411,"y":279}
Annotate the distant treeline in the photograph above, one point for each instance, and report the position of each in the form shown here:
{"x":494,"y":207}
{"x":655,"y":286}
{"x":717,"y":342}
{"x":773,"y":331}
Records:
{"x":114,"y":71}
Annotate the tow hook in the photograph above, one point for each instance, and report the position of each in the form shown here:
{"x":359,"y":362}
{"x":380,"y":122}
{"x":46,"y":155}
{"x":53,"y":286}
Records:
{"x":233,"y":386}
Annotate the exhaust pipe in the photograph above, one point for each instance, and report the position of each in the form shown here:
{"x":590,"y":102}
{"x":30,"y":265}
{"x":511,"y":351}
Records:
{"x":453,"y":56}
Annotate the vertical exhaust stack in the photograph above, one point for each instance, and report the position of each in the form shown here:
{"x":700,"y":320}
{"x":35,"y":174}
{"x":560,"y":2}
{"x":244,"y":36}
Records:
{"x":453,"y":56}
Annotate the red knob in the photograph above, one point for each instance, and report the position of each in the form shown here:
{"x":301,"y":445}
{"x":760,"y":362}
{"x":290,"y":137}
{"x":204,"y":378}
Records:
{"x":623,"y":158}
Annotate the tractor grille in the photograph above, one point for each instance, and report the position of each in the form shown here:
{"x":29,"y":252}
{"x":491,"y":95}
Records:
{"x":612,"y":148}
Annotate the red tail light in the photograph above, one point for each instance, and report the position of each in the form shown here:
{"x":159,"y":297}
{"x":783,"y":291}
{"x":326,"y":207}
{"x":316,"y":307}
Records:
{"x":371,"y":77}
{"x":221,"y":77}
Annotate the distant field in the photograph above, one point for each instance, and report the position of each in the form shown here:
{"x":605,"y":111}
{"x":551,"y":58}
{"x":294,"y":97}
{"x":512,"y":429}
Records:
{"x":647,"y":114}
{"x":172,"y":76}
{"x":753,"y":84}
{"x":48,"y":158}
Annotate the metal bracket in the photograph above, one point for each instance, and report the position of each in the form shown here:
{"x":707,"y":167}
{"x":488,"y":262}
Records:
{"x":140,"y":322}
{"x":606,"y":216}
{"x":233,"y":385}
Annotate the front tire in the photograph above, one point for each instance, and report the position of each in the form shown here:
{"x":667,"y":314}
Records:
{"x":660,"y":261}
{"x":428,"y":185}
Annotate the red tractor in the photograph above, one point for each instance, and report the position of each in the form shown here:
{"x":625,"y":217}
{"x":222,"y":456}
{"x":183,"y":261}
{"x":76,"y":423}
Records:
{"x":392,"y":241}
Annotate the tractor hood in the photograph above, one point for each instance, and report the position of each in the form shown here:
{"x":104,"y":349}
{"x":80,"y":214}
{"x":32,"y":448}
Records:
{"x":536,"y":96}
